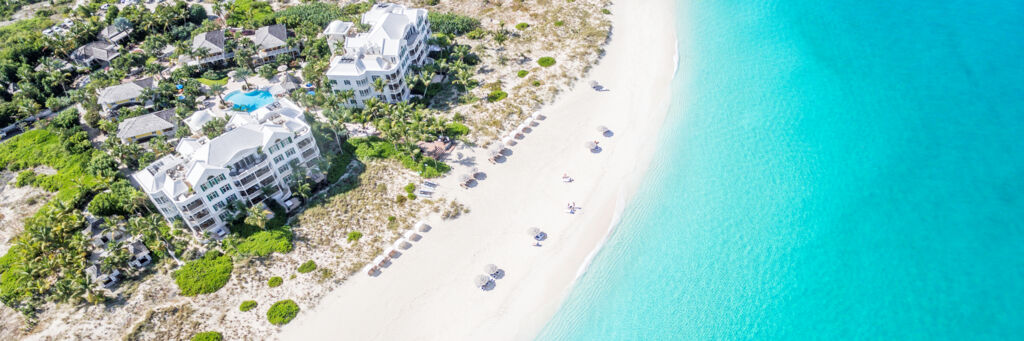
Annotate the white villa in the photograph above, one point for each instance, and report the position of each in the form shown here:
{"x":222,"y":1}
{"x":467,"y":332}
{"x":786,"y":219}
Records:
{"x":250,"y":162}
{"x":397,"y":39}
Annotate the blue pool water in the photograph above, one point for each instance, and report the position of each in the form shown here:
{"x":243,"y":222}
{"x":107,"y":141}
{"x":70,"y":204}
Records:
{"x":840,"y":170}
{"x":249,"y":101}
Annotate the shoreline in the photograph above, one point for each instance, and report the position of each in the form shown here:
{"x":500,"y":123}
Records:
{"x":427,"y":293}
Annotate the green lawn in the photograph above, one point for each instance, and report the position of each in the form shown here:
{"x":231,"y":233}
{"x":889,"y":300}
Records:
{"x":212,"y":82}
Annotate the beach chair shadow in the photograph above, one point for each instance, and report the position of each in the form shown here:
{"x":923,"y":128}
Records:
{"x":480,"y":176}
{"x":608,"y":133}
{"x":596,"y":150}
{"x":499,"y":275}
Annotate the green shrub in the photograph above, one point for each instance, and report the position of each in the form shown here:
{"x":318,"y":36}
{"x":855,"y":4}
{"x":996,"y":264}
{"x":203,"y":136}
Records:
{"x":248,"y":305}
{"x":401,"y":199}
{"x":546,"y":61}
{"x":456,"y":129}
{"x":307,"y":267}
{"x":450,"y":23}
{"x":411,"y":187}
{"x":208,"y":336}
{"x":522,"y":73}
{"x":355,"y":235}
{"x":559,"y":23}
{"x":606,"y":11}
{"x":25,"y":178}
{"x":476,"y":34}
{"x":264,"y":243}
{"x":412,"y":196}
{"x":204,"y":275}
{"x":282,"y":312}
{"x":522,"y":26}
{"x":275,"y":282}
{"x":535,"y":83}
{"x":496,"y":95}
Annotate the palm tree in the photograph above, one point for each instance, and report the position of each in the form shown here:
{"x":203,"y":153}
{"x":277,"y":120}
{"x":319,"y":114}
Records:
{"x":346,"y":95}
{"x":256,"y":216}
{"x":243,"y":73}
{"x":378,"y":85}
{"x":218,"y":90}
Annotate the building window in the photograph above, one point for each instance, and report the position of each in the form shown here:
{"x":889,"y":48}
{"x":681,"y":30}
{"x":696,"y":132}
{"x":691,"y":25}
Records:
{"x":290,"y":152}
{"x":347,"y":82}
{"x":219,"y":205}
{"x":225,"y":189}
{"x":211,"y":196}
{"x":282,"y":169}
{"x":278,"y":159}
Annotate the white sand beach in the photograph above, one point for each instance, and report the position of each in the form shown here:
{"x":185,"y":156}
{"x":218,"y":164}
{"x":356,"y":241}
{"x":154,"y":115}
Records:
{"x":428,"y":292}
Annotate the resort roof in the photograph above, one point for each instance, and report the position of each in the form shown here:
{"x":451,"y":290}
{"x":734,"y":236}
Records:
{"x":268,"y":37}
{"x":125,"y":91}
{"x":95,"y":50}
{"x":144,"y":124}
{"x":113,"y":34}
{"x":213,"y":41}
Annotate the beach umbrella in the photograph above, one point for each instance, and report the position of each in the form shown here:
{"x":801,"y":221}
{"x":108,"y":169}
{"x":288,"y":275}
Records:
{"x":422,"y":227}
{"x":490,"y":269}
{"x":379,"y":260}
{"x":521,"y":128}
{"x":602,"y":129}
{"x":282,"y":68}
{"x":481,"y":281}
{"x":533,"y":231}
{"x":179,"y":86}
{"x":402,"y":244}
{"x":593,"y":84}
{"x":536,"y":115}
{"x":509,"y":141}
{"x":591,"y":145}
{"x":464,"y":178}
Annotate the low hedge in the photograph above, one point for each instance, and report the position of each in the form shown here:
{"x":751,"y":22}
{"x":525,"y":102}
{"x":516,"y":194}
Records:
{"x":546,"y":61}
{"x":282,"y":312}
{"x":248,"y":305}
{"x":275,"y":282}
{"x":205,"y":275}
{"x":307,"y":267}
{"x":208,"y":336}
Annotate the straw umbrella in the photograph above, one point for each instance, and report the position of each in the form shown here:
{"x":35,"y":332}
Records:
{"x":490,"y":269}
{"x":422,"y":227}
{"x":522,"y":128}
{"x":534,"y":232}
{"x":591,"y":145}
{"x":602,"y":129}
{"x":509,"y":141}
{"x":481,"y":281}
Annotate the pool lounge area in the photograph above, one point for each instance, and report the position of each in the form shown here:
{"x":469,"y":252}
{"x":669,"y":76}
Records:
{"x":249,"y":101}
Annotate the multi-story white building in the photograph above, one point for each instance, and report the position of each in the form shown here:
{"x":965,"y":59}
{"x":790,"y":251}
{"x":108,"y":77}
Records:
{"x":397,"y":39}
{"x":250,"y":162}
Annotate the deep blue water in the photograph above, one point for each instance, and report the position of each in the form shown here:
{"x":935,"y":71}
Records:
{"x":842,"y":169}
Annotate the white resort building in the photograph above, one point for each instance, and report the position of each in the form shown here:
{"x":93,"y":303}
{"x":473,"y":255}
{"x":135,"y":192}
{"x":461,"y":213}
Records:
{"x":250,"y":162}
{"x":396,"y":40}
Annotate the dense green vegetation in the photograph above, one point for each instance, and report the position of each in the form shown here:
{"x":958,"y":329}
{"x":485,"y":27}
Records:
{"x":522,"y":73}
{"x":204,"y":275}
{"x":451,"y":23}
{"x":307,"y":267}
{"x":522,"y":26}
{"x":354,"y":236}
{"x":208,"y":336}
{"x":75,"y":179}
{"x":282,"y":312}
{"x":373,"y":147}
{"x":264,"y":243}
{"x":275,"y":282}
{"x":546,"y":61}
{"x":247,"y":305}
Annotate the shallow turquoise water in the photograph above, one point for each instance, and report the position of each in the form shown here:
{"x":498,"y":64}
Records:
{"x":839,"y":170}
{"x":249,"y":101}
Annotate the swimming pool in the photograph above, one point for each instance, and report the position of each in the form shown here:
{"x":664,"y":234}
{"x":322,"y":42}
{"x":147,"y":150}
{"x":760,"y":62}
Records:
{"x":249,"y":101}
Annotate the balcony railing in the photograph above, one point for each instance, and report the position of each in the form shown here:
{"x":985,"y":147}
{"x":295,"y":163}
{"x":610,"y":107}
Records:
{"x":262,"y":171}
{"x":194,"y":205}
{"x":303,"y":143}
{"x":247,"y":179}
{"x":307,"y":153}
{"x":267,"y":181}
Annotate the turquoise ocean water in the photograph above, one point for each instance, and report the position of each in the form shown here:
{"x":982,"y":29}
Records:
{"x":843,"y":169}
